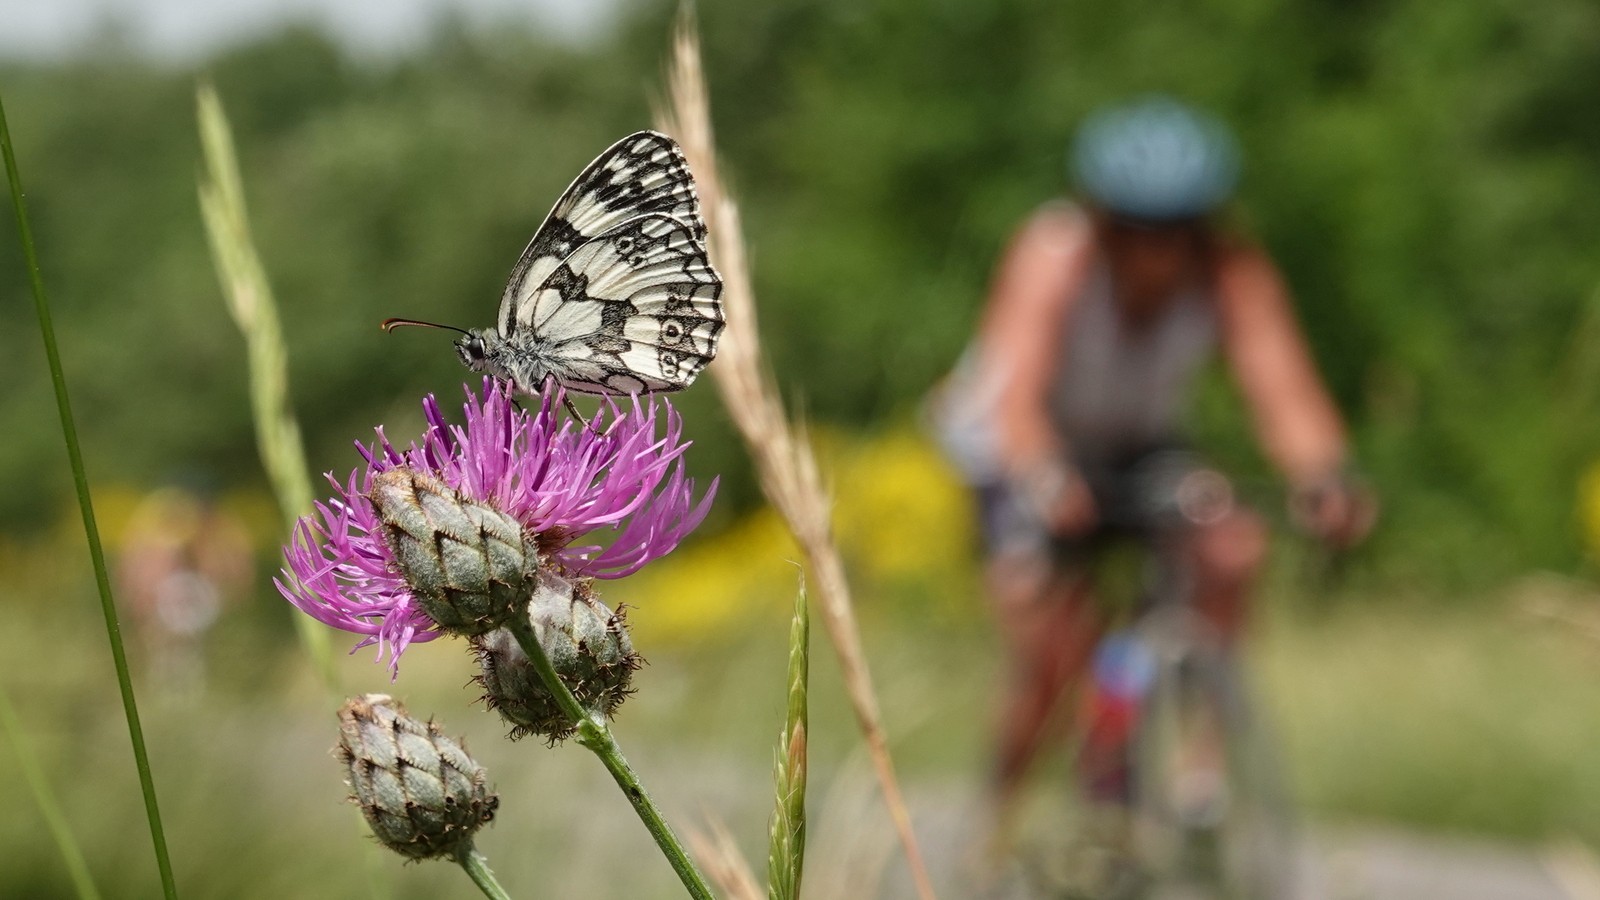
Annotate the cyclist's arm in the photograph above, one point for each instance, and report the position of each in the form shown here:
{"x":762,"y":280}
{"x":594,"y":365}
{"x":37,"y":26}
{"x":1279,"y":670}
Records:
{"x":1296,"y":422}
{"x":1037,"y":282}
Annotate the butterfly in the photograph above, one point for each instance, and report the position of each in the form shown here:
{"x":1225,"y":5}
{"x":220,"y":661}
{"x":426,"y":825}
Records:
{"x":614,"y":294}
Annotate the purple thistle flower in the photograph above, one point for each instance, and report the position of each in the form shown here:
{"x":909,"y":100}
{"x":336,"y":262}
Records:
{"x":560,"y":480}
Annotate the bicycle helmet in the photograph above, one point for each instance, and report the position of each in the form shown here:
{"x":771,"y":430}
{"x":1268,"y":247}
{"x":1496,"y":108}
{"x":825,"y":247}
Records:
{"x":1155,"y":160}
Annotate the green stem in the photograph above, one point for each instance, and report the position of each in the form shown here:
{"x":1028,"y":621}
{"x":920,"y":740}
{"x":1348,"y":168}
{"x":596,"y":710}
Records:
{"x":92,"y":532}
{"x":477,"y":868}
{"x":71,"y":854}
{"x":595,"y":734}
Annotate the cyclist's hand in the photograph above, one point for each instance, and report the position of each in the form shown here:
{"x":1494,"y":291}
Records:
{"x":1061,"y":499}
{"x":1339,"y":511}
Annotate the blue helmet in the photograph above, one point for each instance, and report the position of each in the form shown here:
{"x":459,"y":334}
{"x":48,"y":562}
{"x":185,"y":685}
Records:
{"x":1155,"y":160}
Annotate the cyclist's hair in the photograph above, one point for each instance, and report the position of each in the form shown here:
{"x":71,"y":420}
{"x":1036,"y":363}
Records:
{"x":1154,"y":160}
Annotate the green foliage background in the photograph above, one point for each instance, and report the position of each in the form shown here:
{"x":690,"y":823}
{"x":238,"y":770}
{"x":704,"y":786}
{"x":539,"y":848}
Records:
{"x":1426,"y":174}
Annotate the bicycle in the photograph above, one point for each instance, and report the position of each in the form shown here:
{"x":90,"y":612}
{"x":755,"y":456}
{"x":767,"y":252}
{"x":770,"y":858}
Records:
{"x":1168,"y":724}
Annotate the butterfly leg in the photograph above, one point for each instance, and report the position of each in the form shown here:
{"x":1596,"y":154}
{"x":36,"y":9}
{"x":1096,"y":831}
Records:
{"x":572,"y":410}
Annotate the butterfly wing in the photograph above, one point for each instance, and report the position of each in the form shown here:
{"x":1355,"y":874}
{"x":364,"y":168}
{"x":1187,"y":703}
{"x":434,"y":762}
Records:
{"x":641,"y":174}
{"x":636,"y":309}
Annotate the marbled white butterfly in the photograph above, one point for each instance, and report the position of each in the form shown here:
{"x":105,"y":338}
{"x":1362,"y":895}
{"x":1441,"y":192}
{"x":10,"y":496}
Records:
{"x":614,"y":294}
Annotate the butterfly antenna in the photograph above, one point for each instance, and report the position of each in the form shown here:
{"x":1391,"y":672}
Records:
{"x":392,"y":324}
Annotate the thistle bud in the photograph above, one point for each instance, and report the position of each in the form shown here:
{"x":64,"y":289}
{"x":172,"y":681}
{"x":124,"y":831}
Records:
{"x":588,"y":646}
{"x":421,"y":793}
{"x":468,"y":564}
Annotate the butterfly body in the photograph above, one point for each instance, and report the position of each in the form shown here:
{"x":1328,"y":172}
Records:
{"x":615,"y":293}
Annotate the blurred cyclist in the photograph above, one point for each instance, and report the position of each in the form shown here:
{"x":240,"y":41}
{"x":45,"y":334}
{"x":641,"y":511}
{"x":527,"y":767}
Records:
{"x":1099,"y":318}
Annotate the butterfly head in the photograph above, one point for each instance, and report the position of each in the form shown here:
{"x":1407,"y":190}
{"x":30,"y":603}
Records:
{"x":473,"y":348}
{"x":484,"y":350}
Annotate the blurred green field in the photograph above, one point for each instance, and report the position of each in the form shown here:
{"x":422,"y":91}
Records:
{"x":1473,"y":718}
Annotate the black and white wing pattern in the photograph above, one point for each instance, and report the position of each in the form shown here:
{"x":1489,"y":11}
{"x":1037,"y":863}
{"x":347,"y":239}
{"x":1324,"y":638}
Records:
{"x":633,"y":310}
{"x":615,"y":293}
{"x":643,"y":173}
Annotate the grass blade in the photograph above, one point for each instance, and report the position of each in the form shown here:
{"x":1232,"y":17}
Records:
{"x":39,"y":785}
{"x":244,"y":282}
{"x":786,"y":846}
{"x":783,"y":456}
{"x":80,"y":481}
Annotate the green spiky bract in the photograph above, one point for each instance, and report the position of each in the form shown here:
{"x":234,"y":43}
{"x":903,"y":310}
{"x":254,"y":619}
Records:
{"x":786,"y":847}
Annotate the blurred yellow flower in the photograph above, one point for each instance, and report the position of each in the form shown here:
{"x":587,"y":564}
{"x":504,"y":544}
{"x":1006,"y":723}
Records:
{"x":712,"y":583}
{"x":901,"y":515}
{"x":1589,"y":508}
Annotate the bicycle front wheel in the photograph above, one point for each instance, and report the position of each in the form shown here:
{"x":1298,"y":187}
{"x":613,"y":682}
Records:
{"x":1211,"y":817}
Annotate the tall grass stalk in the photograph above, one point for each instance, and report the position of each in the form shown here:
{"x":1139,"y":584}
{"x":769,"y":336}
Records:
{"x":44,"y":796}
{"x":783,"y":456}
{"x":250,"y":301}
{"x":80,"y":481}
{"x":244,"y":283}
{"x":786,"y":845}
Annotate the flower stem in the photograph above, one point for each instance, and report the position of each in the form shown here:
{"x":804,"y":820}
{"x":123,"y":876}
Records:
{"x":477,"y":868}
{"x":80,"y":481}
{"x":595,"y":734}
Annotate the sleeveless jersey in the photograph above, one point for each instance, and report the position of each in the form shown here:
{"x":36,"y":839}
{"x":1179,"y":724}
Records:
{"x":1118,"y":389}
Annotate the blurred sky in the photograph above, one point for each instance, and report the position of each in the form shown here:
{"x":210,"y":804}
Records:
{"x":185,"y":30}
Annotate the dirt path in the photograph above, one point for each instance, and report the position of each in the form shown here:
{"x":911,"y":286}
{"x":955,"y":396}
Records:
{"x":1336,"y":863}
{"x":1382,"y":864}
